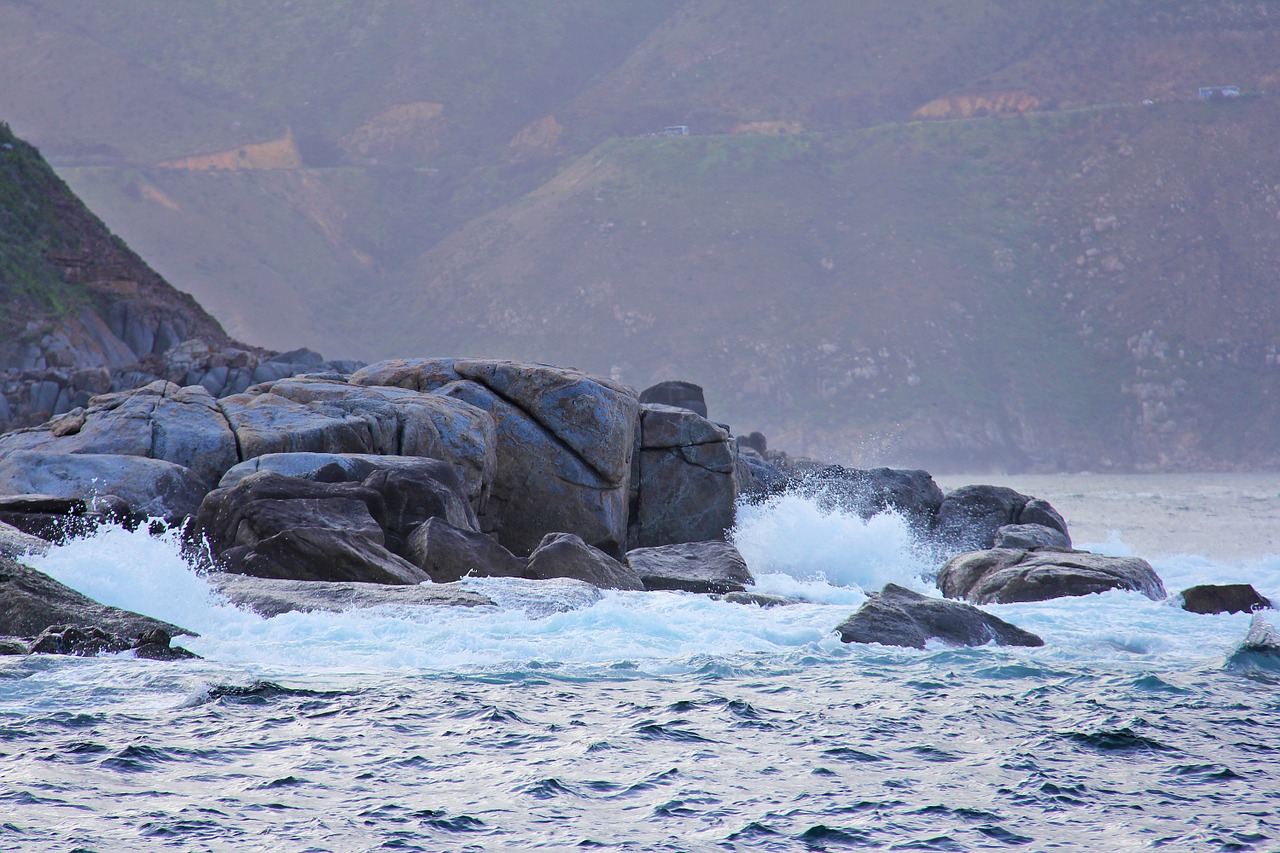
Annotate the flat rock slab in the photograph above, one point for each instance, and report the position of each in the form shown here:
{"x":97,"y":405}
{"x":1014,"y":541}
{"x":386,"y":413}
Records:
{"x":1223,"y":598}
{"x":270,"y":596}
{"x":896,"y":616}
{"x":149,"y":487}
{"x":1009,"y":575}
{"x":703,"y":567}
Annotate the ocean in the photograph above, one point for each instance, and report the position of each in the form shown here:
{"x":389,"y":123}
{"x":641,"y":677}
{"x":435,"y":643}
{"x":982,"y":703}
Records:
{"x":670,"y":721}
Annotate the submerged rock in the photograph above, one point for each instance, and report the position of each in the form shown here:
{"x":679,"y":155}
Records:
{"x":1008,"y":575}
{"x":759,"y":599}
{"x":702,"y":567}
{"x":1223,"y":598}
{"x":272,"y":596}
{"x":896,"y":616}
{"x":565,"y":555}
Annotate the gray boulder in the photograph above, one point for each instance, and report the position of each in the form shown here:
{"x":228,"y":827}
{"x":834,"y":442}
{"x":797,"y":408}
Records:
{"x":1223,"y":598}
{"x":158,"y":421}
{"x":682,"y":395}
{"x":970,"y":516}
{"x":272,"y":596}
{"x":14,"y":544}
{"x":869,"y":492}
{"x":565,"y":555}
{"x":1008,"y":575}
{"x":564,"y":444}
{"x":31,"y":602}
{"x":448,"y":553}
{"x":1028,"y":536}
{"x":702,"y":567}
{"x":148,"y":487}
{"x":685,"y":487}
{"x":757,"y":477}
{"x":268,"y":525}
{"x":325,"y":416}
{"x":896,"y":616}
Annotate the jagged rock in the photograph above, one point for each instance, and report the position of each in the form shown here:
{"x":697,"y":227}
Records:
{"x":1008,"y":575}
{"x":152,"y":488}
{"x":702,"y":567}
{"x":684,"y":484}
{"x":565,"y":555}
{"x":448,"y":553}
{"x":15,"y":544}
{"x":870,"y":492}
{"x":268,"y":525}
{"x":413,"y":488}
{"x":272,"y":596}
{"x":158,"y":421}
{"x":564,"y":444}
{"x":1223,"y":598}
{"x":969,"y":517}
{"x":1028,"y":536}
{"x":325,"y":416}
{"x":31,"y":602}
{"x":681,"y":395}
{"x":757,"y":477}
{"x":896,"y":616}
{"x":757,"y":598}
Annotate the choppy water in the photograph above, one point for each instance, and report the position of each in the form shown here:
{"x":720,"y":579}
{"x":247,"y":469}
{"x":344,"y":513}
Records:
{"x":665,"y":721}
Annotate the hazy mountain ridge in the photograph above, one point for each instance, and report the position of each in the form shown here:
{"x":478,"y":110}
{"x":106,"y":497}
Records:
{"x":1082,"y":286}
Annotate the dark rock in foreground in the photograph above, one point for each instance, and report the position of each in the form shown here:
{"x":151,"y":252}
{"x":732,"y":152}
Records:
{"x":271,"y":596}
{"x":1223,"y":598}
{"x":1008,"y":575}
{"x":703,"y":567}
{"x":449,"y":553}
{"x":32,"y":603}
{"x":565,"y":555}
{"x":896,"y":616}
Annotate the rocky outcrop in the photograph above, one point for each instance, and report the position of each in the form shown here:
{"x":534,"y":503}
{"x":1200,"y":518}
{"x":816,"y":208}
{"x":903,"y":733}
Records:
{"x":270,"y":597}
{"x":913,"y":494}
{"x":1007,"y":575}
{"x":684,"y":483}
{"x":56,"y":519}
{"x":565,"y":555}
{"x":272,"y":526}
{"x":1028,"y":536}
{"x":682,"y":395}
{"x":1223,"y":598}
{"x":69,"y":486}
{"x":970,"y":516}
{"x":564,"y":444}
{"x":704,"y":567}
{"x":448,"y":553}
{"x":896,"y":616}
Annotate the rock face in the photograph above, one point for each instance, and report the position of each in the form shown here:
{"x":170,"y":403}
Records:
{"x":148,"y":488}
{"x":31,"y":602}
{"x":15,"y":544}
{"x":911,"y":493}
{"x":1028,"y":536}
{"x":1223,"y":598}
{"x":684,"y":483}
{"x":272,"y":526}
{"x":448,"y":553}
{"x":682,"y":395}
{"x":896,"y":616}
{"x":970,"y":516}
{"x":1007,"y":575}
{"x":270,"y":596}
{"x":564,"y":444}
{"x":565,"y":555}
{"x":702,"y":567}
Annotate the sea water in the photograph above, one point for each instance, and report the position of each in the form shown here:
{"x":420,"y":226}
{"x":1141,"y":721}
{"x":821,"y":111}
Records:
{"x":670,"y":721}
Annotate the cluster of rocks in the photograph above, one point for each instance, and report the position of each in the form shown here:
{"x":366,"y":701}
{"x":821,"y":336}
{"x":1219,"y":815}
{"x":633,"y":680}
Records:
{"x":326,"y":489}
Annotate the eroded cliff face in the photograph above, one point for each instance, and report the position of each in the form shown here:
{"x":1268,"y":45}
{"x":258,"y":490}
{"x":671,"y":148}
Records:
{"x":280,"y":153}
{"x":973,"y":104}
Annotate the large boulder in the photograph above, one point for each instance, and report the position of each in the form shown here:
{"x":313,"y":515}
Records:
{"x":869,"y":492}
{"x":1223,"y":598}
{"x":704,"y":567}
{"x":413,"y":488}
{"x":896,"y":616}
{"x":268,"y":525}
{"x":564,"y":444}
{"x":147,"y":487}
{"x":684,"y":484}
{"x":272,"y":596}
{"x":1028,"y":536}
{"x":682,"y":395}
{"x":448,"y":553}
{"x":31,"y":602}
{"x":182,"y":425}
{"x":1008,"y":575}
{"x":565,"y":555}
{"x":304,"y":414}
{"x":970,"y":516}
